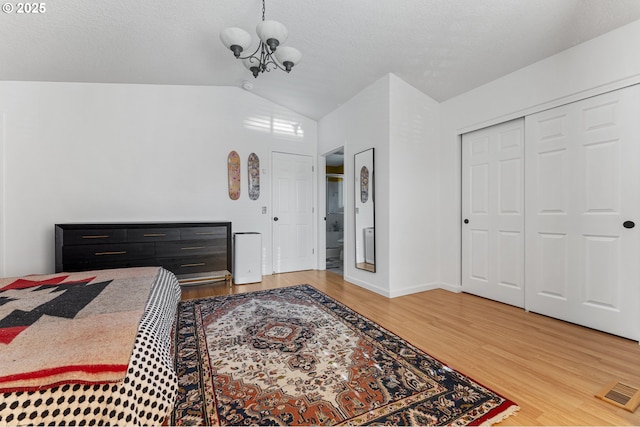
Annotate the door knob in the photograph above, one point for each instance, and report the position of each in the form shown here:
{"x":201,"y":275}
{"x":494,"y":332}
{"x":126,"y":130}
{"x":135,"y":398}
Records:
{"x":466,"y":221}
{"x":628,"y":224}
{"x":275,"y":218}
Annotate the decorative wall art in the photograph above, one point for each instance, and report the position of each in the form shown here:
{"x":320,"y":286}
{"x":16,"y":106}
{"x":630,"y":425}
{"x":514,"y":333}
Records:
{"x":364,"y":184}
{"x":253,"y":167}
{"x":233,"y":171}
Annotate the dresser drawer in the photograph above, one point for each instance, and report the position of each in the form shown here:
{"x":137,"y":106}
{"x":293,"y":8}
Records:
{"x":194,"y":264}
{"x":190,"y":248}
{"x":101,"y":254}
{"x":104,"y":263}
{"x":152,"y":234}
{"x":196,"y":233}
{"x":90,"y":236}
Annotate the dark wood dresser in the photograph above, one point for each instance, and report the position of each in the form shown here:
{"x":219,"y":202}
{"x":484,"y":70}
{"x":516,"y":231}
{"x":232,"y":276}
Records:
{"x":191,"y":250}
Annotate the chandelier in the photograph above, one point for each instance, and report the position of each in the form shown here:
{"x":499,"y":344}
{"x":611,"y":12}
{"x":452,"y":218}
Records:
{"x":269,"y":55}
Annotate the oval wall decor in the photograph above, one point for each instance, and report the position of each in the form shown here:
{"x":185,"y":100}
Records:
{"x":364,"y":184}
{"x":233,"y":173}
{"x":253,"y":166}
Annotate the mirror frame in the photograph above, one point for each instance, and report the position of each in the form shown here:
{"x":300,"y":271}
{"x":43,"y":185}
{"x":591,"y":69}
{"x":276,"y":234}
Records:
{"x":363,"y":198}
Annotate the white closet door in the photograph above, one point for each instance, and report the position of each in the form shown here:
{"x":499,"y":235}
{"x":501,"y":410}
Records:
{"x":582,"y":185}
{"x":492,"y":212}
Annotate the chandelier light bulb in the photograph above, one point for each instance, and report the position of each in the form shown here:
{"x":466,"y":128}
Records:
{"x":272,"y":33}
{"x":252,"y":64}
{"x":236,"y":39}
{"x":288,"y":56}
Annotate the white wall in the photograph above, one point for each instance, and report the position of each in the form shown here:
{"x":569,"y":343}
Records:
{"x":605,"y":63}
{"x":402,"y":125}
{"x":77,"y":152}
{"x":413,"y":189}
{"x":359,"y":124}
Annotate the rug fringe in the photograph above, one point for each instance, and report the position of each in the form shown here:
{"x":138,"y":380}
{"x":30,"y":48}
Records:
{"x":510,"y":411}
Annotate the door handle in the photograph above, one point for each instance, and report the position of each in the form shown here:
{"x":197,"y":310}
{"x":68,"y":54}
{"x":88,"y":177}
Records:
{"x":275,"y":218}
{"x":466,"y":221}
{"x":628,"y":224}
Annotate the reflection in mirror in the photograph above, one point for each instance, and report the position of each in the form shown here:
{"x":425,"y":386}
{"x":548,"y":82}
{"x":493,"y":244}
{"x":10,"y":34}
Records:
{"x":364,"y":210}
{"x":335,"y":219}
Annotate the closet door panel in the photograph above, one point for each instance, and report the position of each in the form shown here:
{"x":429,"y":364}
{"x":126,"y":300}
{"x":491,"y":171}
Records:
{"x":493,"y":208}
{"x":582,"y":183}
{"x":551,"y":266}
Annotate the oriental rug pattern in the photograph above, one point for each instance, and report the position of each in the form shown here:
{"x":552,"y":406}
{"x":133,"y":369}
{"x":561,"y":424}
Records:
{"x":294,"y":356}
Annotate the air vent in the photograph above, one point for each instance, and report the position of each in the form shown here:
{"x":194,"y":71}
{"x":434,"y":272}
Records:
{"x":622,"y":395}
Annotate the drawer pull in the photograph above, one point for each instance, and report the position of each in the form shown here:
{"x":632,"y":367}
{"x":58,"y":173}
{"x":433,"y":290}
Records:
{"x":190,"y":248}
{"x":104,"y":236}
{"x":204,"y":233}
{"x":111,"y":253}
{"x":199,"y":264}
{"x":155,"y":235}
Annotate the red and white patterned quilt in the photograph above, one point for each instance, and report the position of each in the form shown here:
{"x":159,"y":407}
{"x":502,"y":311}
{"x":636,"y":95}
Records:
{"x":90,"y":346}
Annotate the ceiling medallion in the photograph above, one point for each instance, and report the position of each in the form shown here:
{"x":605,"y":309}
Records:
{"x":269,"y":55}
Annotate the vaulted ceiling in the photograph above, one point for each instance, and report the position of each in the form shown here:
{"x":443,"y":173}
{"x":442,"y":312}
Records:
{"x":442,"y":47}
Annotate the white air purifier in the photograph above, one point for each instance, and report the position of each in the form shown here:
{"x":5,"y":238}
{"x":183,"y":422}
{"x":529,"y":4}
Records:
{"x":247,"y":258}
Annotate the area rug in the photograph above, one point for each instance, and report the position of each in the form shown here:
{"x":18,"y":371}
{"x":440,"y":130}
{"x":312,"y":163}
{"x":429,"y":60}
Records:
{"x":295,"y":356}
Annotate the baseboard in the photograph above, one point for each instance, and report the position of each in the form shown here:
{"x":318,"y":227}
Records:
{"x":368,"y":286}
{"x":451,"y":288}
{"x":414,"y":289}
{"x":405,"y":291}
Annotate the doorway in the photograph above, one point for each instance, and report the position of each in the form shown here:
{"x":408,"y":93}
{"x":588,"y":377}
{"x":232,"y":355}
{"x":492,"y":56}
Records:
{"x":335,"y":211}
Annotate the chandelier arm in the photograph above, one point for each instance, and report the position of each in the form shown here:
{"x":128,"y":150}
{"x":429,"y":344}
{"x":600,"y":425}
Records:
{"x":267,"y":59}
{"x":263,"y":60}
{"x":275,"y":62}
{"x":253,"y":54}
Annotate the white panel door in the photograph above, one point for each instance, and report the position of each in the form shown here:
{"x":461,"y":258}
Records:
{"x":582,"y":185}
{"x":292,"y":181}
{"x":492,"y":212}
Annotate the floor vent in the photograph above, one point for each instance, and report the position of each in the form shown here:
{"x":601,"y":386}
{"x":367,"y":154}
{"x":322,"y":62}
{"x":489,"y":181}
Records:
{"x":621,"y":395}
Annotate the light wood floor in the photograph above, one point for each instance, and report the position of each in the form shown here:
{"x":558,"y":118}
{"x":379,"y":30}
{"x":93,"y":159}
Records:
{"x":550,"y":368}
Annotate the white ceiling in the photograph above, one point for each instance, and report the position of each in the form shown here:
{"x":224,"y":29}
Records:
{"x":442,"y":47}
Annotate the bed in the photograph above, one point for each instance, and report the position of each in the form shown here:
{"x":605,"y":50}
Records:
{"x":88,"y":348}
